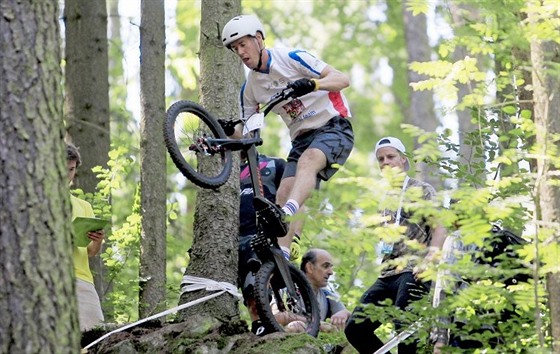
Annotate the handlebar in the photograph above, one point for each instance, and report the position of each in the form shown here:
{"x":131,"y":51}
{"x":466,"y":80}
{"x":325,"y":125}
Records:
{"x":240,"y":144}
{"x":277,"y":98}
{"x":286,"y":93}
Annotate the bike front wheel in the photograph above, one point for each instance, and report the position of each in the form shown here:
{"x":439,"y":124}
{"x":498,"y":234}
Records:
{"x":277,"y":309}
{"x":187,"y":128}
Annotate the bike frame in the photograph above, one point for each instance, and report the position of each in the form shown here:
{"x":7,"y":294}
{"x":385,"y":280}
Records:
{"x":249,"y":146}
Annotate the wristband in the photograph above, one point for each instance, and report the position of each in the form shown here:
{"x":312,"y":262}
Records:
{"x":316,"y":84}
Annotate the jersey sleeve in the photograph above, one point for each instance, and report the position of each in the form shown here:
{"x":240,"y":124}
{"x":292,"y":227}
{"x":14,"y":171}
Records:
{"x":307,"y":64}
{"x":81,"y":208}
{"x":248,"y":105}
{"x":334,"y":304}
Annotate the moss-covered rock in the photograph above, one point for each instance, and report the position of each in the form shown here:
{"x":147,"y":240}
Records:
{"x":205,"y":335}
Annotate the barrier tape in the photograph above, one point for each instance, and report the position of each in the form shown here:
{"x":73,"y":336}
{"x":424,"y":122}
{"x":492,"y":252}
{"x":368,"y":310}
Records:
{"x":196,"y":283}
{"x":393,"y":342}
{"x":208,"y":284}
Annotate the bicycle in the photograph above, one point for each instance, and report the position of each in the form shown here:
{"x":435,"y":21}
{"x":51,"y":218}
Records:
{"x":202,"y":152}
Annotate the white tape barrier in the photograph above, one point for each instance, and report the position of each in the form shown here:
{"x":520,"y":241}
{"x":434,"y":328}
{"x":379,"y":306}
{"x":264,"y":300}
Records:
{"x":195,"y":284}
{"x":393,"y":342}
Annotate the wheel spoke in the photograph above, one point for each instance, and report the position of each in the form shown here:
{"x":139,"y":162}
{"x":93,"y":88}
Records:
{"x":188,"y":132}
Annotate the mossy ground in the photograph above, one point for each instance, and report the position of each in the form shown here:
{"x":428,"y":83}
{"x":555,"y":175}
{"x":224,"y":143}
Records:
{"x":207,"y":335}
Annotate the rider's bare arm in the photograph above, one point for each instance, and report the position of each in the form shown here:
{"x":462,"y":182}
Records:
{"x":332,"y":80}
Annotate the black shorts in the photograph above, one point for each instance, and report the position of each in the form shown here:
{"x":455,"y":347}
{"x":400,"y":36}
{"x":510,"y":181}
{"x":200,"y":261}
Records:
{"x":335,"y":139}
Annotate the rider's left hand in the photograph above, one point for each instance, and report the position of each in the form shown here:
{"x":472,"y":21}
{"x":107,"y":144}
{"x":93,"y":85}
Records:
{"x":228,"y":126}
{"x":303,"y":86}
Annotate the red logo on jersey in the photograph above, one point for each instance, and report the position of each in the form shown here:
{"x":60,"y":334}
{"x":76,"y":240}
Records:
{"x":294,"y":108}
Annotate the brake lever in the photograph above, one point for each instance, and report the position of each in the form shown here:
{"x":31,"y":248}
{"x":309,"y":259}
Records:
{"x":288,"y":92}
{"x":285,"y":93}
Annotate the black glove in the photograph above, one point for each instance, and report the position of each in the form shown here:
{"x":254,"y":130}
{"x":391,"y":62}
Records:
{"x":228,"y":125}
{"x":302,"y":87}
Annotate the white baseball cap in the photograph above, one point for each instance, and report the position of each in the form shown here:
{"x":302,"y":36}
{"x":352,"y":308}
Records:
{"x":395,"y":143}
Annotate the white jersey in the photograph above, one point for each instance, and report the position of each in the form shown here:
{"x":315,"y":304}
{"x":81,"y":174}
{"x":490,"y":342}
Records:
{"x":284,"y":66}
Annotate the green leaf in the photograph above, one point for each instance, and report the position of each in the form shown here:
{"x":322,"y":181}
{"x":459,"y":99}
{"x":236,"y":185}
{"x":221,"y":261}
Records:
{"x":418,"y":6}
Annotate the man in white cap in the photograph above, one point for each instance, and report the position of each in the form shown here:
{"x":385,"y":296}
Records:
{"x":399,"y":284}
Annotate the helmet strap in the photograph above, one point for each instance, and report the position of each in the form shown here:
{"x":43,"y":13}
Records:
{"x":260,"y":61}
{"x":260,"y":55}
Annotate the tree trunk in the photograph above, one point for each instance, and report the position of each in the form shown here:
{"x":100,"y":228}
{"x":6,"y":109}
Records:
{"x":398,"y":62}
{"x":152,"y":159}
{"x":420,"y":109}
{"x":462,"y":15}
{"x":214,"y":251}
{"x":37,"y":299}
{"x":87,"y":98}
{"x":87,"y":85}
{"x":120,"y":116}
{"x":545,"y":54}
{"x":103,"y":282}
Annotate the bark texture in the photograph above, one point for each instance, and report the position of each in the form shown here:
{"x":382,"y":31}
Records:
{"x":214,"y":251}
{"x":86,"y":109}
{"x":545,"y":56}
{"x":87,"y":86}
{"x":37,"y":300}
{"x":420,"y":110}
{"x":152,"y":159}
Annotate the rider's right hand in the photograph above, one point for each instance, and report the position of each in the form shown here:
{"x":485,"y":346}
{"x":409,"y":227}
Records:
{"x":228,"y":126}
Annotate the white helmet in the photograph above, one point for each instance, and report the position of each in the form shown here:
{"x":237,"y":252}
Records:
{"x":241,"y":26}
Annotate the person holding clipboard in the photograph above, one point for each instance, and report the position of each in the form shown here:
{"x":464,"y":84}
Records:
{"x":89,"y":306}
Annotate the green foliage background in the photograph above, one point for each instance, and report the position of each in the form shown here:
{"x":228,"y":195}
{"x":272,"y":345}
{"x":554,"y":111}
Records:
{"x":365,"y":39}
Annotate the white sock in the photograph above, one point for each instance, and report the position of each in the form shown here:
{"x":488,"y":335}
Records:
{"x":291,"y":207}
{"x":286,"y":252}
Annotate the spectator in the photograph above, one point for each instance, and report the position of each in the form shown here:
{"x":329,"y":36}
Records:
{"x":467,"y":332}
{"x":399,"y":284}
{"x":320,"y":130}
{"x":317,"y":264}
{"x":453,"y":249}
{"x":89,"y":306}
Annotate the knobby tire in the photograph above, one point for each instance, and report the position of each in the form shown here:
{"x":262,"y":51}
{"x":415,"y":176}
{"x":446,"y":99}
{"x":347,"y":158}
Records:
{"x":268,"y":282}
{"x":186,"y":124}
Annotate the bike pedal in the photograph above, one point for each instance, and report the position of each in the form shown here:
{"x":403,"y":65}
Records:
{"x":271,"y":217}
{"x":261,"y":203}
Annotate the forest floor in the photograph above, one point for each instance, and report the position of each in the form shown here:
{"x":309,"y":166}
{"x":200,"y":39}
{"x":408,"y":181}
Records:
{"x":204,"y":335}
